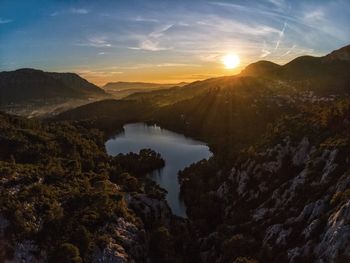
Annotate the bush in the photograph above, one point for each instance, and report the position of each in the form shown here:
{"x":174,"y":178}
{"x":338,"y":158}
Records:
{"x":67,"y":253}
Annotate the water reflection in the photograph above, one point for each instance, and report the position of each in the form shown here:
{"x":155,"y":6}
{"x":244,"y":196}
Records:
{"x":177,"y":150}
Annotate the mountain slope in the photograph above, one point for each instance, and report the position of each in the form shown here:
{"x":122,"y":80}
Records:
{"x":63,"y":199}
{"x":278,"y":186}
{"x":122,"y":89}
{"x":25,"y":85}
{"x":322,"y":75}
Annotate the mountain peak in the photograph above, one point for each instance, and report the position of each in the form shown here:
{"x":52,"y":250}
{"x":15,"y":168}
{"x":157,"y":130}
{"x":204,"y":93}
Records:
{"x":260,"y":68}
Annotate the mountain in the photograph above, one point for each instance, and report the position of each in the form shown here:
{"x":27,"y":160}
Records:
{"x":339,"y":54}
{"x":35,"y":93}
{"x":261,"y":68}
{"x":123,"y":89}
{"x":107,"y":115}
{"x":278,"y":186}
{"x":63,"y":199}
{"x":25,"y":85}
{"x":223,"y":108}
{"x":322,"y":75}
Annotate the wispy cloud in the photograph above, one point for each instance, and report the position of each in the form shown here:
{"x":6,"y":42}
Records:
{"x":264,"y":51}
{"x":289,"y":51}
{"x":77,"y":11}
{"x":280,"y":5}
{"x":161,"y":31}
{"x":150,"y":45}
{"x":280,"y":35}
{"x":80,"y":11}
{"x":5,"y":21}
{"x":314,"y":16}
{"x":162,"y":65}
{"x":152,"y":41}
{"x":122,"y":68}
{"x":96,"y":41}
{"x":98,"y":73}
{"x":228,"y":25}
{"x":145,"y":19}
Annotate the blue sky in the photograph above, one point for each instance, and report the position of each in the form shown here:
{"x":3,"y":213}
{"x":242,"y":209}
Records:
{"x":163,"y":40}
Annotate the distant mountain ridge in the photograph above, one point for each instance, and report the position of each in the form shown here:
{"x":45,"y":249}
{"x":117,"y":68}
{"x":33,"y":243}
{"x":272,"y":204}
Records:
{"x":320,"y":76}
{"x":27,"y":84}
{"x":122,"y":89}
{"x":131,"y":85}
{"x":327,"y":74}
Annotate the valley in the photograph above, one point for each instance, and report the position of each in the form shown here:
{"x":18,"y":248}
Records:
{"x":275,"y":190}
{"x":178,"y":152}
{"x":121,"y":90}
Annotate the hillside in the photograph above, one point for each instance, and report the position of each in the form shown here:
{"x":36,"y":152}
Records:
{"x":32,"y":92}
{"x":323,"y":75}
{"x":63,"y":199}
{"x":122,"y":89}
{"x":24,"y":85}
{"x":277,"y":188}
{"x":238,"y":109}
{"x":108,"y":115}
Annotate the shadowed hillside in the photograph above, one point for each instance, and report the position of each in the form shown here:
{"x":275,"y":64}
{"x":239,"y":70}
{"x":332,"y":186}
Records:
{"x":122,"y":89}
{"x":24,"y":85}
{"x":31,"y":92}
{"x":277,"y":188}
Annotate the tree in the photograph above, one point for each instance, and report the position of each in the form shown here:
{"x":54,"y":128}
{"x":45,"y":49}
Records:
{"x":67,"y":253}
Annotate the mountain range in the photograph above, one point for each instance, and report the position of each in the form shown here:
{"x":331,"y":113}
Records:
{"x":122,"y":89}
{"x":276,"y":189}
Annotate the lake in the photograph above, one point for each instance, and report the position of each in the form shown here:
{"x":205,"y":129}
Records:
{"x":177,"y":150}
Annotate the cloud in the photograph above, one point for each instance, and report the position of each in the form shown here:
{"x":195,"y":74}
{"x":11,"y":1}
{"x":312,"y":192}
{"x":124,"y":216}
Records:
{"x":314,"y":16}
{"x":264,"y":10}
{"x":161,"y":31}
{"x":280,"y":5}
{"x":5,"y":21}
{"x":146,"y":65}
{"x":152,"y":40}
{"x":98,"y":72}
{"x":96,"y":41}
{"x":289,"y":51}
{"x":281,"y":34}
{"x":264,"y":51}
{"x":176,"y":65}
{"x":144,"y":19}
{"x":231,"y":26}
{"x":78,"y":11}
{"x":209,"y":57}
{"x":150,"y":45}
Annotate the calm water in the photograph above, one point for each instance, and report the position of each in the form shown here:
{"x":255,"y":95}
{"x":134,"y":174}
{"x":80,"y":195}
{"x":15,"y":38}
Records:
{"x":177,"y":150}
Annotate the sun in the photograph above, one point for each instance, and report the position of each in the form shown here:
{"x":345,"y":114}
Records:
{"x":230,"y":61}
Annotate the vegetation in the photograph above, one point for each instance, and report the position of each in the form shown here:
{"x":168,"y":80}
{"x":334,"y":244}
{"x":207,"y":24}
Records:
{"x":280,"y":136}
{"x":57,"y":187}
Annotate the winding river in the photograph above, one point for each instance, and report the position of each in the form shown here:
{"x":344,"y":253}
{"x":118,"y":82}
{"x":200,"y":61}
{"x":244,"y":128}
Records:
{"x":177,"y":150}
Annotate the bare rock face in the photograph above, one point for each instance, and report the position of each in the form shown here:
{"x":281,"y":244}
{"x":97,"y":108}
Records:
{"x":28,"y":252}
{"x":150,"y":209}
{"x":297,"y":200}
{"x":126,"y":243}
{"x":335,"y":240}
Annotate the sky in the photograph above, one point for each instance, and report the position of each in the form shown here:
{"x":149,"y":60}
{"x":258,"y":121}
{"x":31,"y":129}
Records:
{"x":165,"y":41}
